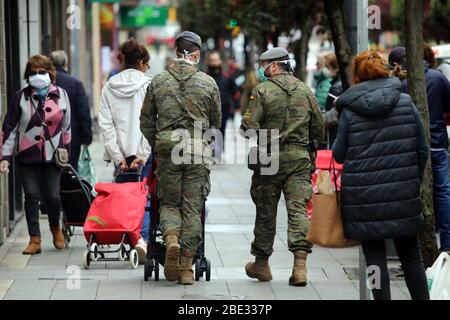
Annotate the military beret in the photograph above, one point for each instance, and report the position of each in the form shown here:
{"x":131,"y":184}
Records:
{"x":191,"y":37}
{"x":273,"y":54}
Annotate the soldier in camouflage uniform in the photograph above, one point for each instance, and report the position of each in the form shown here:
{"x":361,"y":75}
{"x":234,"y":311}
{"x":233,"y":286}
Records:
{"x":285,"y":103}
{"x":181,"y":97}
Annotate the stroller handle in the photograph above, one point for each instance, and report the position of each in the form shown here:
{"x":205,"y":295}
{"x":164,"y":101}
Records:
{"x":129,"y":175}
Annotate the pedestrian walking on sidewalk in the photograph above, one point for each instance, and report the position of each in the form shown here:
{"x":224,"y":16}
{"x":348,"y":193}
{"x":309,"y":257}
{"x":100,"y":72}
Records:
{"x":37,"y":122}
{"x":181,"y":98}
{"x":120,"y":107}
{"x":227,"y":90}
{"x":438,"y":96}
{"x":285,"y":103}
{"x":80,"y":122}
{"x":381,"y":142}
{"x":336,"y":90}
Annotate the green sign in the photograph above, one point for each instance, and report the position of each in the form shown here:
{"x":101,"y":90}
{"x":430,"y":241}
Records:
{"x":142,"y":16}
{"x":104,"y":1}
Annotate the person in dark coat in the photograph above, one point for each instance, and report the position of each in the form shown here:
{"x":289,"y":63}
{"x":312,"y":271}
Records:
{"x":382,"y":144}
{"x":336,"y":90}
{"x":79,"y":103}
{"x":438,"y":96}
{"x":227,"y":88}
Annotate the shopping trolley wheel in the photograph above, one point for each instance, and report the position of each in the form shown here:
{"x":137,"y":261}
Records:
{"x":134,"y":259}
{"x":122,"y":253}
{"x":94,"y":251}
{"x":86,"y":259}
{"x":156,"y":263}
{"x":148,"y":268}
{"x":66,"y":235}
{"x":198,"y":271}
{"x":208,"y":270}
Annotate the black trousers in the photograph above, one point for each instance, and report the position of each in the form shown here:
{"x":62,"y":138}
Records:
{"x":74,"y":156}
{"x":37,"y":180}
{"x":408,"y":251}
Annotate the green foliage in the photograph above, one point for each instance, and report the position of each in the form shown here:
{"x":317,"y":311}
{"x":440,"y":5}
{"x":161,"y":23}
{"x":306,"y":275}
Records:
{"x":398,"y":14}
{"x":210,"y":18}
{"x":438,"y":21}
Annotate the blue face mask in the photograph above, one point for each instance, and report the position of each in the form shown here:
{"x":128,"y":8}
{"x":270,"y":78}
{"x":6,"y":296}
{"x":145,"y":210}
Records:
{"x":262,"y":76}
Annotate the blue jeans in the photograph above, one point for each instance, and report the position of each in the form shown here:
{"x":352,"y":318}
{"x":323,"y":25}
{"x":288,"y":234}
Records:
{"x":441,"y":196}
{"x":145,"y":230}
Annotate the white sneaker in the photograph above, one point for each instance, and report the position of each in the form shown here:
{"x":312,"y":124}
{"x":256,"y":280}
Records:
{"x":141,"y":248}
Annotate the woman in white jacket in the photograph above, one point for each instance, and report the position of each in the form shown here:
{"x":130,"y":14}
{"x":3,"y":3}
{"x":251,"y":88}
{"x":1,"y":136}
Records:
{"x":120,"y":107}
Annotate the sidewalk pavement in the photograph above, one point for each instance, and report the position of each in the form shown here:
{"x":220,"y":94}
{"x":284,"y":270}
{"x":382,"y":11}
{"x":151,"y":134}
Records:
{"x":229,"y":228}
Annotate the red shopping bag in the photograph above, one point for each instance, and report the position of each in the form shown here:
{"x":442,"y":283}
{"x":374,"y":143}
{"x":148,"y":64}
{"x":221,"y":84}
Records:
{"x":118,"y":209}
{"x":324,"y":161}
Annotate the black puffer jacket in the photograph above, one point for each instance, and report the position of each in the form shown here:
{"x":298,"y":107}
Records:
{"x":382,"y":144}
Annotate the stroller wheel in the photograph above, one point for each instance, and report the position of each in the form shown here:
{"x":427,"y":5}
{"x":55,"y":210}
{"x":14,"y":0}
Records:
{"x":134,"y":259}
{"x":156,"y":265}
{"x":86,"y":259}
{"x":208,"y":270}
{"x":198,"y":271}
{"x":148,"y":268}
{"x":94,"y":251}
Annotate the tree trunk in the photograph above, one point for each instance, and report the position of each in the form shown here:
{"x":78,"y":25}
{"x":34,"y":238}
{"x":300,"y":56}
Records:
{"x":334,"y":11}
{"x":417,"y":90}
{"x":301,"y":50}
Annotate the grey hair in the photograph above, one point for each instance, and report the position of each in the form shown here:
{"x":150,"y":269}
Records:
{"x":59,"y":58}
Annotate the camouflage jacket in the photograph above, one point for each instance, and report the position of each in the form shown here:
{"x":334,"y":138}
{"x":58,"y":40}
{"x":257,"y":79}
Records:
{"x":176,"y":99}
{"x":287,"y":104}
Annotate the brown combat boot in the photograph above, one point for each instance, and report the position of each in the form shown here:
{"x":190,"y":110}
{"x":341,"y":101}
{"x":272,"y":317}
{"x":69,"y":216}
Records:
{"x":186,"y":272}
{"x":299,"y":274}
{"x":259,"y":269}
{"x":58,"y":237}
{"x":172,"y":260}
{"x":34,"y":246}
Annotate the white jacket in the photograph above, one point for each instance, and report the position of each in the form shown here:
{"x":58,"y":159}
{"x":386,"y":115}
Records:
{"x":119,"y":111}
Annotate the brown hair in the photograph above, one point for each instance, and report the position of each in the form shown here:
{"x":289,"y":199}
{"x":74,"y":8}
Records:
{"x":40,"y":61}
{"x":428,"y":56}
{"x":368,"y":65}
{"x":331,"y":61}
{"x":131,"y":52}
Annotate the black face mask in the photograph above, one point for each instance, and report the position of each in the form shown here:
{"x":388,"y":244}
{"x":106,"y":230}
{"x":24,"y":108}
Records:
{"x":214,"y":70}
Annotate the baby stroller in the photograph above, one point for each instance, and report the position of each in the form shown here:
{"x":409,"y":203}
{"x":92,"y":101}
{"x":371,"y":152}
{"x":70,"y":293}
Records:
{"x":115,"y":218}
{"x":76,"y":199}
{"x":156,"y":249}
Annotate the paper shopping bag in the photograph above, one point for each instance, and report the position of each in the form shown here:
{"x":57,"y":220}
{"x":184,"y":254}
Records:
{"x":326,"y":228}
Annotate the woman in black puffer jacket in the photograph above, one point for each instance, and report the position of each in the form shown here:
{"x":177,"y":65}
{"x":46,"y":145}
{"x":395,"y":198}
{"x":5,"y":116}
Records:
{"x":382,"y":144}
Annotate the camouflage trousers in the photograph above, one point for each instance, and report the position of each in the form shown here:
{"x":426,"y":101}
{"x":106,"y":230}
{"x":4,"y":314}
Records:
{"x":294,"y":180}
{"x":182,"y":190}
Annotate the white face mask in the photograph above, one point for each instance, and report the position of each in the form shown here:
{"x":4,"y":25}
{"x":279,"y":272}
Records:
{"x":326,"y":72}
{"x":39,"y":81}
{"x":186,"y":57}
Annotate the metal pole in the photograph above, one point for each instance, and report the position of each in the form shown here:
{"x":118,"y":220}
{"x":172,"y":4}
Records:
{"x":96,"y":56}
{"x":356,"y":17}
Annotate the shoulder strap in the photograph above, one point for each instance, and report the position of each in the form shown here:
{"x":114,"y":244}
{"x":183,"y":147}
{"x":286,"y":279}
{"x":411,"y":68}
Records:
{"x":182,"y":82}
